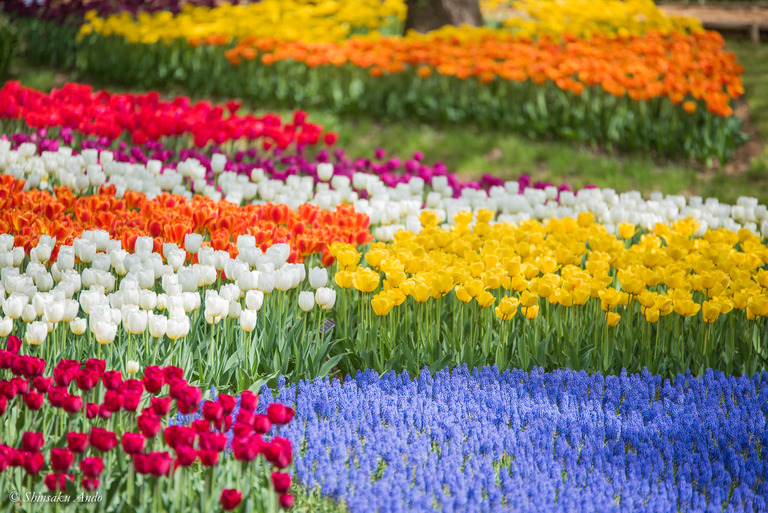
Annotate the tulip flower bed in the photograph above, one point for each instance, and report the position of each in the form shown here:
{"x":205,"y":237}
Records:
{"x":145,"y":117}
{"x":560,"y":441}
{"x":588,"y":299}
{"x":96,"y":437}
{"x":564,"y":89}
{"x":252,"y":165}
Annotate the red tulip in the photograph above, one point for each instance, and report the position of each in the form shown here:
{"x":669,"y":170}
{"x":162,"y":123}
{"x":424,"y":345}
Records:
{"x":154,"y":379}
{"x":212,"y":441}
{"x":227,"y":403}
{"x":91,"y":410}
{"x":149,"y":423}
{"x":42,"y":384}
{"x":230,"y":499}
{"x":102,"y":440}
{"x":33,"y":462}
{"x":86,"y":378}
{"x":72,"y":403}
{"x":31,"y":441}
{"x":133,"y":443}
{"x":113,"y":400}
{"x":286,"y":500}
{"x":279,"y":414}
{"x":14,"y":344}
{"x":248,"y":401}
{"x":160,"y":405}
{"x":112,"y":379}
{"x":177,"y":436}
{"x":90,"y":484}
{"x":34,"y":400}
{"x":61,"y":459}
{"x":77,"y":442}
{"x":185,"y":455}
{"x":56,"y":482}
{"x":281,"y":482}
{"x":261,"y":424}
{"x":208,"y":458}
{"x":92,"y":467}
{"x":212,"y":411}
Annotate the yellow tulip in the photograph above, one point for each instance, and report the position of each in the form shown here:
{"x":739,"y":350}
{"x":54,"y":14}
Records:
{"x":528,"y":300}
{"x":531,"y":312}
{"x":365,"y":280}
{"x":507,"y":308}
{"x":343,"y":279}
{"x":474,"y":287}
{"x":626,"y":230}
{"x":462,"y":294}
{"x":382,"y":303}
{"x":652,"y":315}
{"x":420,"y":292}
{"x":686,"y":307}
{"x":485,"y":299}
{"x":612,"y":319}
{"x":710,"y":311}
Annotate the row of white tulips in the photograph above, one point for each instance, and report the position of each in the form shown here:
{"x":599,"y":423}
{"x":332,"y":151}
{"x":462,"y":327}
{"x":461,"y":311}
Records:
{"x":390,"y":208}
{"x":112,"y":287}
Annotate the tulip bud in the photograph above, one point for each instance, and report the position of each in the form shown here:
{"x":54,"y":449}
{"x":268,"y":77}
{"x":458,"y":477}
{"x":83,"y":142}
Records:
{"x":6,"y":326}
{"x":218,"y":161}
{"x":78,"y":325}
{"x":132,"y":367}
{"x":248,"y":320}
{"x":325,"y":171}
{"x":37,"y":332}
{"x":318,"y":277}
{"x":306,"y":301}
{"x":254,"y":299}
{"x":192,"y":242}
{"x":325,"y":298}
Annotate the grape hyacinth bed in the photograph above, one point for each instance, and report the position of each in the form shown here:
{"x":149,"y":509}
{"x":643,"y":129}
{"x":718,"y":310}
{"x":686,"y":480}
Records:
{"x":541,"y":441}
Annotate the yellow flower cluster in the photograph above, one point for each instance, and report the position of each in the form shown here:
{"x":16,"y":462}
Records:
{"x":565,"y":262}
{"x":290,"y":20}
{"x":584,"y":18}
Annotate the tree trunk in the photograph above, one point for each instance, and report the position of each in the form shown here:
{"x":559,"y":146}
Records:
{"x":426,"y":15}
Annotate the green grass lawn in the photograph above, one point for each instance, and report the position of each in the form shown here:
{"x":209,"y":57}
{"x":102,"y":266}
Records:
{"x":471,"y":151}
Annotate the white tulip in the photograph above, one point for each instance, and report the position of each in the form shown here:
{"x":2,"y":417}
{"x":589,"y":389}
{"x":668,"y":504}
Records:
{"x":283,"y":280}
{"x":235,"y":309}
{"x":78,"y":325}
{"x":318,"y":277}
{"x":104,"y":331}
{"x":325,"y":298}
{"x":192,"y":242}
{"x":6,"y":326}
{"x":37,"y":332}
{"x":191,"y":301}
{"x":306,"y":301}
{"x":266,"y":282}
{"x":71,"y":309}
{"x":14,"y":305}
{"x":325,"y":171}
{"x":101,"y":261}
{"x":248,"y":319}
{"x":216,"y":307}
{"x":136,"y":322}
{"x":54,"y":311}
{"x":158,"y":325}
{"x":144,"y":245}
{"x":178,"y":326}
{"x":176,"y":258}
{"x":147,"y":299}
{"x":254,"y":299}
{"x":132,"y":367}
